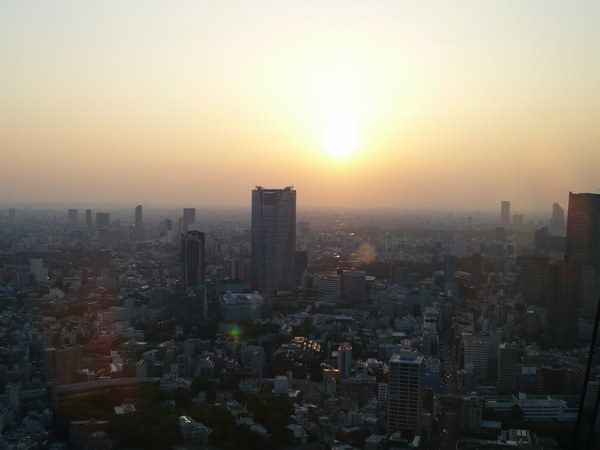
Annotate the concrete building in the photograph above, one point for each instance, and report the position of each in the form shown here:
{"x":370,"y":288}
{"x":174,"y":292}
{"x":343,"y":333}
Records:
{"x":330,"y":288}
{"x":405,"y":385}
{"x":344,"y":360}
{"x":60,"y":364}
{"x":236,"y":306}
{"x":508,"y":368}
{"x":476,"y":356}
{"x":273,"y":239}
{"x":354,"y":285}
{"x":192,"y":431}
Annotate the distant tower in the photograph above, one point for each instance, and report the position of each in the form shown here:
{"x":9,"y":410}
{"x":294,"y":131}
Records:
{"x":518,"y":220}
{"x":557,"y":222}
{"x":405,"y":386}
{"x":88,"y":219}
{"x":273,"y":238}
{"x":139,"y":222}
{"x":344,"y":360}
{"x":505,"y":213}
{"x":102,"y":221}
{"x":192,"y":260}
{"x":189,"y":218}
{"x":73,"y":219}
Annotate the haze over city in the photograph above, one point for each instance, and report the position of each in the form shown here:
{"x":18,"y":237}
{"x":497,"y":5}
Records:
{"x":388,"y":105}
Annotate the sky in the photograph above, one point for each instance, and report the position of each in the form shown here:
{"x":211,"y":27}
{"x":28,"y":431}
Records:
{"x":383,"y":104}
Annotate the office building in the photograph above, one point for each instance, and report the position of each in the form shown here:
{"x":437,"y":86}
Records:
{"x":564,"y":297}
{"x":102,"y":221}
{"x":508,"y":368}
{"x":405,"y":385}
{"x":505,"y":213}
{"x":192,"y":260}
{"x":557,"y":221}
{"x":139,"y":221}
{"x":344,"y":360}
{"x":532,"y":278}
{"x":518,"y":220}
{"x":72,"y":219}
{"x":476,"y":354}
{"x":188,"y":221}
{"x":13,"y":397}
{"x":354,"y":285}
{"x":330,"y":288}
{"x":60,"y":364}
{"x":583,"y":247}
{"x":583,"y":230}
{"x":273,"y":238}
{"x":88,"y":219}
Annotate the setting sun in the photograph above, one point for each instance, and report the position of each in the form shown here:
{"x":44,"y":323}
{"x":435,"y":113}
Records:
{"x":339,"y":136}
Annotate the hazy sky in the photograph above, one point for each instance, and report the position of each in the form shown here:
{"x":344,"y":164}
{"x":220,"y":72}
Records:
{"x":449,"y":104}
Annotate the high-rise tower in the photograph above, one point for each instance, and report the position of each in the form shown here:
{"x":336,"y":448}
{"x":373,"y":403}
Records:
{"x":505,"y":212}
{"x":139,"y":221}
{"x":273,"y":238}
{"x":583,"y":230}
{"x":583,"y":249}
{"x":345,"y":360}
{"x":405,"y":386}
{"x":192,"y":260}
{"x":189,"y":218}
{"x":557,"y":222}
{"x":73,"y":219}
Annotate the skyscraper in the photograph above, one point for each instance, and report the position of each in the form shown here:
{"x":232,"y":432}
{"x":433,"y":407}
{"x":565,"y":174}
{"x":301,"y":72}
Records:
{"x":508,"y":368}
{"x":88,"y":219}
{"x":505,"y":212}
{"x":73,"y":218}
{"x":192,"y":260}
{"x":102,"y":221}
{"x":583,"y":230}
{"x":557,"y":222}
{"x":189,"y":218}
{"x":273,"y":238}
{"x":405,"y":386}
{"x":139,"y":222}
{"x":61,"y":363}
{"x":583,"y":247}
{"x":345,"y":360}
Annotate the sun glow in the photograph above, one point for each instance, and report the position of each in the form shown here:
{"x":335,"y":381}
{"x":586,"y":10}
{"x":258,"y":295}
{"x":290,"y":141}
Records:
{"x":339,"y":94}
{"x":340,"y":136}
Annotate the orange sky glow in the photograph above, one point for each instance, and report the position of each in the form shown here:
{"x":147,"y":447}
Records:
{"x":389,"y":104}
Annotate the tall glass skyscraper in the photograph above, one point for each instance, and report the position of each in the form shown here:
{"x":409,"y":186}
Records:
{"x":192,"y":260}
{"x":273,"y":238}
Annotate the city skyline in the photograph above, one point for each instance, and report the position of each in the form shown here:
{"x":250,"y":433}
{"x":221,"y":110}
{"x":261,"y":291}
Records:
{"x":380,"y":106}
